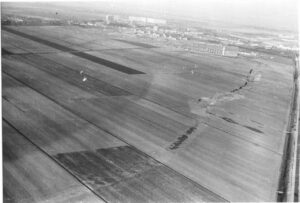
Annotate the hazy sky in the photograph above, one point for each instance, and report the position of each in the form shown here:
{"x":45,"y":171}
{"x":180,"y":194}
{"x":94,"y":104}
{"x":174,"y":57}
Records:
{"x":267,"y":13}
{"x":280,"y":14}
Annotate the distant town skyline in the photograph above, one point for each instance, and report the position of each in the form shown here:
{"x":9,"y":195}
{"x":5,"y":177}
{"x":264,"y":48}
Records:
{"x":273,"y":14}
{"x":276,"y":14}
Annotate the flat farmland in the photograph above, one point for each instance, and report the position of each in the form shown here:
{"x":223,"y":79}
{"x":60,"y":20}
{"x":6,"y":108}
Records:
{"x":134,"y":122}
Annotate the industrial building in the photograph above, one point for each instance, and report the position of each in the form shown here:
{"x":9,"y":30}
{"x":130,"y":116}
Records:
{"x":216,"y":49}
{"x":230,"y":51}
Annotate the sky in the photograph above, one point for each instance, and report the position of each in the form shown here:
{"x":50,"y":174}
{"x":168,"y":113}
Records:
{"x":276,"y":14}
{"x":280,"y":14}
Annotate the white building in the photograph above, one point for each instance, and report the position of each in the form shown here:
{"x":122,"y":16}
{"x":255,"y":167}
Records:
{"x":144,"y":20}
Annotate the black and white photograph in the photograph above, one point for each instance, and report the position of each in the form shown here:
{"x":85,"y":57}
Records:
{"x":150,"y":101}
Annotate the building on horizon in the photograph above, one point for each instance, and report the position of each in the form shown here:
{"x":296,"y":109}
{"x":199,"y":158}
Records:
{"x":144,"y":20}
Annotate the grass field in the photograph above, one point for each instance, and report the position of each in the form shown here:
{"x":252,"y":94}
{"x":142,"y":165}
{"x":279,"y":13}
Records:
{"x":177,"y":132}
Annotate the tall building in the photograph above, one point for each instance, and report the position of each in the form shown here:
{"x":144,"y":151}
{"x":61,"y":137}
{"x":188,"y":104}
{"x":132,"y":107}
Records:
{"x":111,"y":19}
